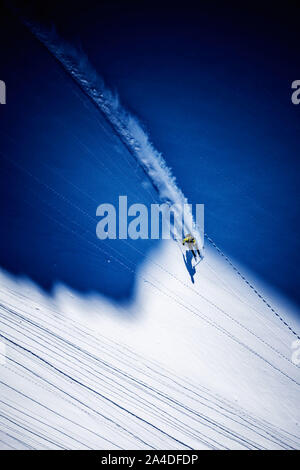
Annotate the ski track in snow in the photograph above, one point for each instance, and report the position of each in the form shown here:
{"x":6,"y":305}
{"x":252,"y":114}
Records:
{"x":124,"y":124}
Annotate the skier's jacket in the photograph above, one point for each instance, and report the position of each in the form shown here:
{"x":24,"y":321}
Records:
{"x":190,"y":241}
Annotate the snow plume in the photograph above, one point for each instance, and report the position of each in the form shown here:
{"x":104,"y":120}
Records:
{"x":124,"y":124}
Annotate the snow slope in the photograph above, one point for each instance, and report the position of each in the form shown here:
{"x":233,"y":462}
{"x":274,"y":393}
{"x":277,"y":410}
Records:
{"x":125,"y":351}
{"x":201,"y":366}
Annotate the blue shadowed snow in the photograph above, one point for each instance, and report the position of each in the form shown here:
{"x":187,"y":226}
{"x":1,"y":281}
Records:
{"x":59,"y":161}
{"x":214,"y":92}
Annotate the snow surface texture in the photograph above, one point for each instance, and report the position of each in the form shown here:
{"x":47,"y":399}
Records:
{"x":201,"y":366}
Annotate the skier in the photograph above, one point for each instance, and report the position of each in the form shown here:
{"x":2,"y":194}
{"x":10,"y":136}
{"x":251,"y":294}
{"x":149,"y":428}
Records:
{"x":192,"y":245}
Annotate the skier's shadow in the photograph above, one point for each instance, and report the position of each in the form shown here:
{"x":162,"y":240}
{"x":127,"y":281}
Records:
{"x":188,"y":264}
